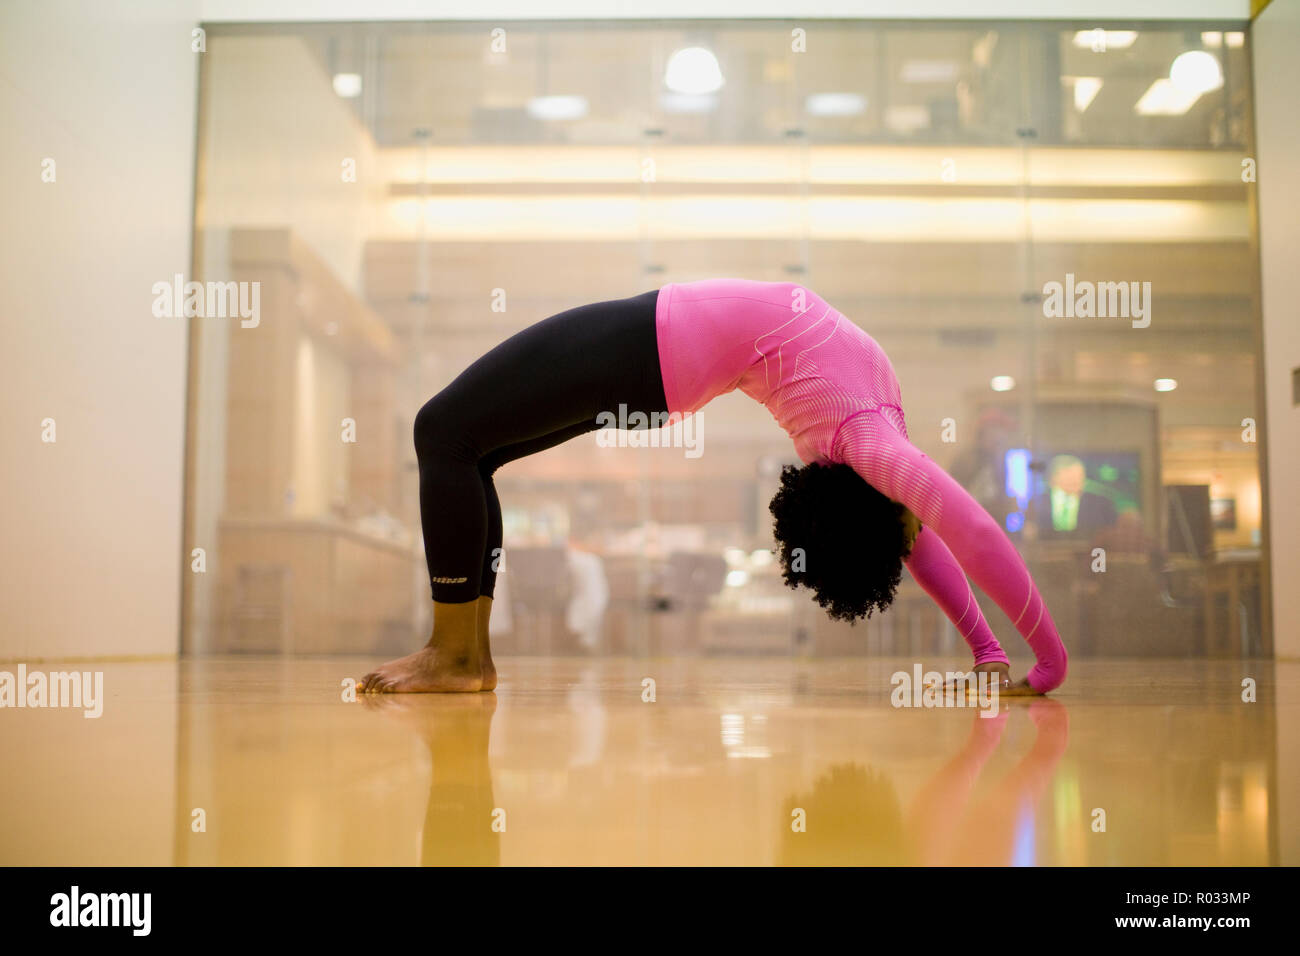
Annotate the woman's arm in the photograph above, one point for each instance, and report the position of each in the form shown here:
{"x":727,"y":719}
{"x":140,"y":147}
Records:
{"x":898,"y":469}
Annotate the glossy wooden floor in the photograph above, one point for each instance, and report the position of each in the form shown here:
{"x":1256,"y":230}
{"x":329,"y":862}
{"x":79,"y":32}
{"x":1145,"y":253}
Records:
{"x":566,"y":764}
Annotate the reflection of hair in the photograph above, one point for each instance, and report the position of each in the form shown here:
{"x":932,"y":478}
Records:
{"x":840,"y":537}
{"x":1061,"y":462}
{"x":853,"y":818}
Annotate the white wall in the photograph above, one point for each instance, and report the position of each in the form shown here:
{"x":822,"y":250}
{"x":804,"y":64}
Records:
{"x":1276,"y":44}
{"x":274,"y":136}
{"x":1276,"y":39}
{"x":91,"y":551}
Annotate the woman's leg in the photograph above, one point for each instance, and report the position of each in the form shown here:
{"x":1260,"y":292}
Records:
{"x":493,"y":553}
{"x":539,"y":387}
{"x":940,"y":575}
{"x":487,"y":467}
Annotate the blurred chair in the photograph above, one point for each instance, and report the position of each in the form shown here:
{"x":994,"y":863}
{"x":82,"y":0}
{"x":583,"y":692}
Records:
{"x":623,"y":572}
{"x":693,"y":578}
{"x":627,"y":624}
{"x":690,"y":579}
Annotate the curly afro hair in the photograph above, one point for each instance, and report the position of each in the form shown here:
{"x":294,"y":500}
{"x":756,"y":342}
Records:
{"x":840,"y":537}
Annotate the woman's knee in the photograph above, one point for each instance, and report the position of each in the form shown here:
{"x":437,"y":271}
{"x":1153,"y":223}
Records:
{"x":437,"y":430}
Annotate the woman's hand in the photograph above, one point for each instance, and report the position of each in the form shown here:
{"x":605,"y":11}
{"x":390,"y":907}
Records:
{"x":1002,"y":681}
{"x":1005,"y":685}
{"x":1020,"y":688}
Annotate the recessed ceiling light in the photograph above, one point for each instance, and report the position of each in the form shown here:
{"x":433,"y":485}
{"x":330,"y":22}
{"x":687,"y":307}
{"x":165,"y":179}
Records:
{"x":1163,"y":98}
{"x":1166,"y":384}
{"x":347,"y":85}
{"x":1003,"y":383}
{"x":1099,"y":41}
{"x":1085,"y":91}
{"x":1196,"y":72}
{"x":693,"y":70}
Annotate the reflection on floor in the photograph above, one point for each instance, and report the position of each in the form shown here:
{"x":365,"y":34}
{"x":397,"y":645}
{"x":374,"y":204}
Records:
{"x":735,"y":761}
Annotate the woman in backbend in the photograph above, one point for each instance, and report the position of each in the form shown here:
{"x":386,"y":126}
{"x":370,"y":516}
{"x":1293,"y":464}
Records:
{"x":865,"y":502}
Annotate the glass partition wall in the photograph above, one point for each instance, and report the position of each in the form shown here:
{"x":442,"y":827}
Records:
{"x":1048,"y":229}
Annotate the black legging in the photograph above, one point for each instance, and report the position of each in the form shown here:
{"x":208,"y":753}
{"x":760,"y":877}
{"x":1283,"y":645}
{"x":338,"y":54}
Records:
{"x":538,"y":388}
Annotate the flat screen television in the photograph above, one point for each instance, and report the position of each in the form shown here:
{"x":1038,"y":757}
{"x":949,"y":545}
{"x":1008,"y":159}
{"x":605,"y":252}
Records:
{"x":1071,"y":494}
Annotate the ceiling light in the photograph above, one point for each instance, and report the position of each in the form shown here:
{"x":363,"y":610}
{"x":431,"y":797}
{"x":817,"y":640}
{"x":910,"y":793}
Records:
{"x":1166,"y":384}
{"x":1101,"y":40}
{"x":1196,"y":72}
{"x":1085,"y":91}
{"x":1163,"y":98}
{"x":693,"y":70}
{"x":1003,"y":383}
{"x":347,"y":85}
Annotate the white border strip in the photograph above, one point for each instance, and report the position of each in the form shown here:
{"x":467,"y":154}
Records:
{"x":1090,"y":11}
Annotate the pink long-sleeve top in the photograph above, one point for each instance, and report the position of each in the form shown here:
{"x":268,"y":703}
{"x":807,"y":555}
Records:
{"x":831,"y":387}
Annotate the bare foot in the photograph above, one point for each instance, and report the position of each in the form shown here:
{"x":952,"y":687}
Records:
{"x":424,"y":672}
{"x":482,"y":632}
